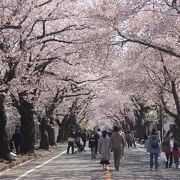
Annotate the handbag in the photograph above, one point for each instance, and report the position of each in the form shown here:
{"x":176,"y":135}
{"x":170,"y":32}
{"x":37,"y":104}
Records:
{"x":162,"y":157}
{"x":165,"y":147}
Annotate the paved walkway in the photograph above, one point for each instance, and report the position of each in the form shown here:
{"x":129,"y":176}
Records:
{"x":60,"y":166}
{"x":135,"y":165}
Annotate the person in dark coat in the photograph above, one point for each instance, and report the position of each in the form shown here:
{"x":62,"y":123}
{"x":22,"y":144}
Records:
{"x":167,"y":148}
{"x":17,"y":138}
{"x":93,"y":141}
{"x":71,"y":141}
{"x":84,"y":138}
{"x":129,"y":139}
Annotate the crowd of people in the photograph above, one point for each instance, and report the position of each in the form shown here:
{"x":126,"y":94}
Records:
{"x":116,"y":140}
{"x":103,"y":143}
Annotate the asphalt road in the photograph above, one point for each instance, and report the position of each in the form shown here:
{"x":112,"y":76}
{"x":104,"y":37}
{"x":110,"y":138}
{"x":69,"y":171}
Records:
{"x":62,"y":166}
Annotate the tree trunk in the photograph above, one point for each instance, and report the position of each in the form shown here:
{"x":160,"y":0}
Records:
{"x":176,"y":116}
{"x":68,"y":123}
{"x":4,"y":144}
{"x":27,"y":125}
{"x":59,"y":136}
{"x":51,"y":135}
{"x":63,"y":133}
{"x":44,"y":141}
{"x":160,"y":125}
{"x":140,"y":129}
{"x":64,"y":128}
{"x":177,"y":103}
{"x":176,"y":133}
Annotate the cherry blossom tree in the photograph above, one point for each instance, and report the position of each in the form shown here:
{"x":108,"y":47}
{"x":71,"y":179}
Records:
{"x":27,"y":33}
{"x":80,"y":58}
{"x":37,"y":37}
{"x":142,"y":30}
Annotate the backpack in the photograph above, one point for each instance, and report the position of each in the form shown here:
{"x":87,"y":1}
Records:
{"x":129,"y":138}
{"x":97,"y":135}
{"x":155,"y":143}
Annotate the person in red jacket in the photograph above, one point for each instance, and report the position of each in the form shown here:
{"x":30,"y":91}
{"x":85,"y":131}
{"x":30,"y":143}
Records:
{"x":71,"y":139}
{"x":176,"y":154}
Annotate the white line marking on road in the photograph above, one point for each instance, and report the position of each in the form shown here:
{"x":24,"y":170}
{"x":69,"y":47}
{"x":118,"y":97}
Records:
{"x":1,"y":173}
{"x":143,"y":150}
{"x":37,"y":167}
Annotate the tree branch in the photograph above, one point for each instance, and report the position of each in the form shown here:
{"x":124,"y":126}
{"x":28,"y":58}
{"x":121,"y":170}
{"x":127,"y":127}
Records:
{"x":57,"y":40}
{"x":40,"y":5}
{"x":148,"y":44}
{"x":80,"y":82}
{"x":165,"y":106}
{"x":55,"y":32}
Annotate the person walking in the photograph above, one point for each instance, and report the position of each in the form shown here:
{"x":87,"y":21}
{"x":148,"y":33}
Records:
{"x":84,"y":138}
{"x":117,"y":143}
{"x":167,"y":147}
{"x":93,"y":141}
{"x":176,"y":155}
{"x":98,"y":135}
{"x":104,"y":148}
{"x":153,"y":147}
{"x":129,"y":139}
{"x":71,"y":139}
{"x":133,"y":138}
{"x":17,"y":138}
{"x":78,"y":141}
{"x":124,"y":137}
